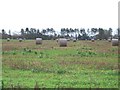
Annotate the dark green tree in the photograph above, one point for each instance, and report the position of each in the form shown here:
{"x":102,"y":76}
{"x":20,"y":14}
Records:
{"x":43,"y":31}
{"x":101,"y":33}
{"x":22,"y":33}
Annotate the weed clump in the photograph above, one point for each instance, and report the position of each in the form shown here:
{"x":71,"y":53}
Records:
{"x":14,"y":53}
{"x":23,"y":53}
{"x":35,"y":52}
{"x":61,"y":72}
{"x":25,"y":49}
{"x":41,"y":55}
{"x":86,"y":54}
{"x":3,"y":53}
{"x":29,"y":50}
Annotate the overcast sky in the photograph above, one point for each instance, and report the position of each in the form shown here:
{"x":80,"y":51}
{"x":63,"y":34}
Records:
{"x":17,"y":14}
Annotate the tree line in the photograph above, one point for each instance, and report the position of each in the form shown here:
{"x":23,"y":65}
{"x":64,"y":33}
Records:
{"x":50,"y":33}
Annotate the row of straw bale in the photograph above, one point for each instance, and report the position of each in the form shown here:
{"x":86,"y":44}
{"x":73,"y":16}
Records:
{"x":63,"y":41}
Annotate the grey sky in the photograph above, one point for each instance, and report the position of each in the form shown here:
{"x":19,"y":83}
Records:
{"x":17,"y":14}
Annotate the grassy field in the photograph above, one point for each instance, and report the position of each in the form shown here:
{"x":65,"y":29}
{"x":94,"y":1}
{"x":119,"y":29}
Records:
{"x":82,"y":64}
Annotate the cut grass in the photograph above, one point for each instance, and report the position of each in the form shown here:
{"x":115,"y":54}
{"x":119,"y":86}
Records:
{"x":82,"y":79}
{"x":80,"y":65}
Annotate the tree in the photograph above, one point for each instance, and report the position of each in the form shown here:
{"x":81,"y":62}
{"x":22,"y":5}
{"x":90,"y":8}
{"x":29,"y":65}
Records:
{"x":85,"y":36}
{"x":38,"y":31}
{"x":4,"y":35}
{"x":22,"y":32}
{"x":72,"y":32}
{"x":82,"y":31}
{"x":63,"y":32}
{"x":110,"y":33}
{"x":27,"y":33}
{"x":38,"y":34}
{"x":3,"y":31}
{"x":43,"y":31}
{"x":79,"y":37}
{"x":94,"y":30}
{"x":52,"y":31}
{"x":101,"y":33}
{"x":9,"y":33}
{"x":76,"y":32}
{"x":88,"y":32}
{"x":27,"y":30}
{"x":48,"y":30}
{"x":118,"y":33}
{"x":67,"y":31}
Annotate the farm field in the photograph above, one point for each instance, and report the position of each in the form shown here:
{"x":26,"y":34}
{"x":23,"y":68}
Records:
{"x":82,"y":64}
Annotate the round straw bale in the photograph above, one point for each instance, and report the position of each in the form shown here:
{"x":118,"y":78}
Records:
{"x":109,"y":40}
{"x":114,"y":42}
{"x":57,"y":40}
{"x":38,"y":41}
{"x":74,"y":40}
{"x":92,"y":40}
{"x":8,"y":39}
{"x":20,"y":39}
{"x":63,"y":42}
{"x":68,"y":39}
